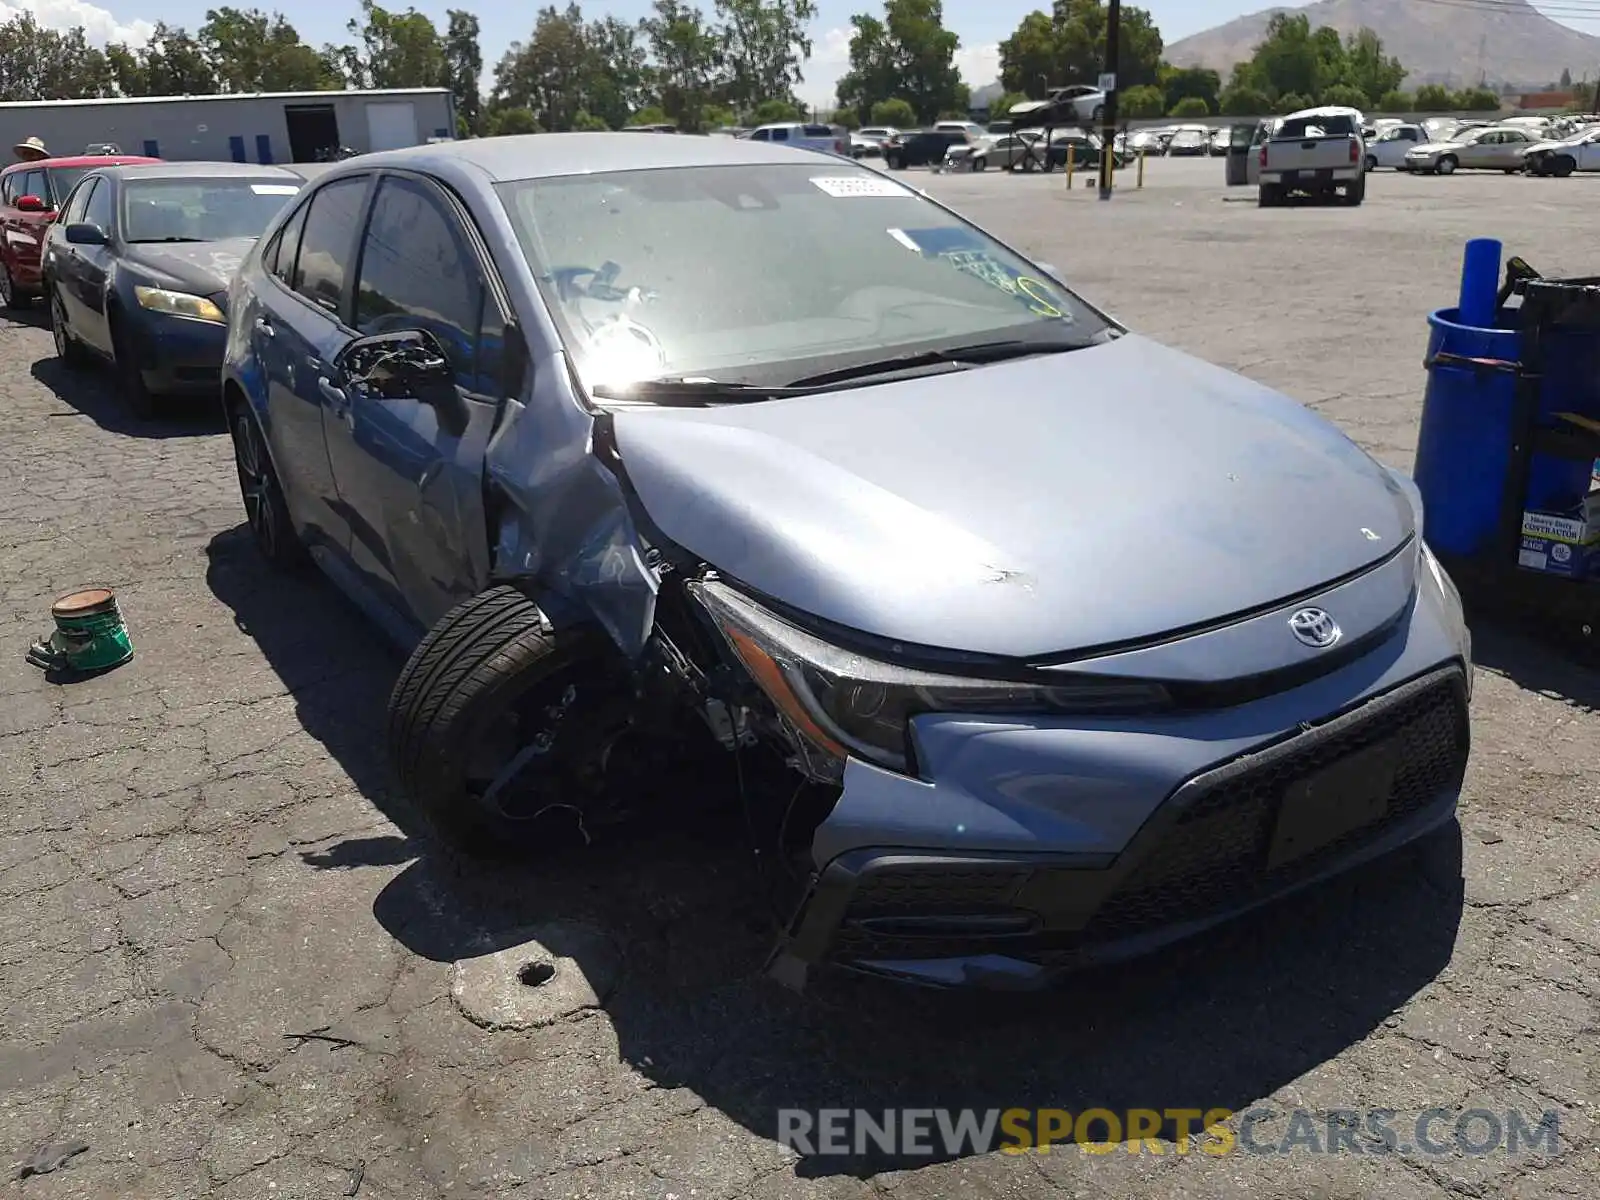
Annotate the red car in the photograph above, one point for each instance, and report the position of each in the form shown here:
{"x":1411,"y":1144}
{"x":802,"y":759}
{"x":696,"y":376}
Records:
{"x":30,"y":195}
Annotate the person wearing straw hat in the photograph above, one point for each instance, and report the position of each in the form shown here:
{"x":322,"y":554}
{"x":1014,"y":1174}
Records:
{"x":31,"y":150}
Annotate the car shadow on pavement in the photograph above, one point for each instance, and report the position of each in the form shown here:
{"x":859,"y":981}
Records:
{"x":92,"y":391}
{"x":1221,"y":1022}
{"x":1537,"y":666}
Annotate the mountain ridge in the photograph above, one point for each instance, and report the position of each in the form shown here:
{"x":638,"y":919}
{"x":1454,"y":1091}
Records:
{"x":1455,"y":42}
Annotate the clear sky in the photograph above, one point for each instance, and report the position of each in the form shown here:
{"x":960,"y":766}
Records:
{"x":981,"y":24}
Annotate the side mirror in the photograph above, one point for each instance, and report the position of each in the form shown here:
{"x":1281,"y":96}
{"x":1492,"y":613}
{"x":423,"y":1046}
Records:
{"x":408,"y":364}
{"x":31,"y":204}
{"x":83,"y":233}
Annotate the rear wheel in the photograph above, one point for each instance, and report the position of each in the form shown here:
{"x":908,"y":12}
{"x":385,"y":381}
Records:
{"x":1447,"y":165}
{"x":894,"y":162}
{"x":1563,"y":166}
{"x":1269,"y":196}
{"x":501,"y":727}
{"x":1356,"y":192}
{"x":979,"y":163}
{"x":1371,"y":163}
{"x":10,"y":297}
{"x":67,"y":348}
{"x":265,"y":509}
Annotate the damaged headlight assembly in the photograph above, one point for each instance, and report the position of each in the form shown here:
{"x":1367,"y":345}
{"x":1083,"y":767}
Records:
{"x":843,"y":703}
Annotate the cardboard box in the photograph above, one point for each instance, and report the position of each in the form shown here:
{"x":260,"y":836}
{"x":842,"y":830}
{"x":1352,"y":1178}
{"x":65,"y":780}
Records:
{"x":1562,"y":543}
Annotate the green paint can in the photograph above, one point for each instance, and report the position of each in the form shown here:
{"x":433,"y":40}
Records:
{"x":89,"y":636}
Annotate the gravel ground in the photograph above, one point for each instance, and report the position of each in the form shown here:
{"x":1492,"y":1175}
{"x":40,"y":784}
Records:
{"x":229,"y":961}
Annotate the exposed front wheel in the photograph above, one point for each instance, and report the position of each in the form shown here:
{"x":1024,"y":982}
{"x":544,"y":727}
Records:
{"x":67,"y":348}
{"x":978,"y":164}
{"x":140,"y":399}
{"x":1447,"y":165}
{"x":501,"y":727}
{"x":1563,"y":166}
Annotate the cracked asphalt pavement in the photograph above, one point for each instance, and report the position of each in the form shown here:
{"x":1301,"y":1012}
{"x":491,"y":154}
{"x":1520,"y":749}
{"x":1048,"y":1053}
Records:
{"x":227,"y":956}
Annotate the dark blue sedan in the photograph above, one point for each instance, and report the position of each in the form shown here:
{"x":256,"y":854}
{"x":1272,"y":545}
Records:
{"x":137,"y":266}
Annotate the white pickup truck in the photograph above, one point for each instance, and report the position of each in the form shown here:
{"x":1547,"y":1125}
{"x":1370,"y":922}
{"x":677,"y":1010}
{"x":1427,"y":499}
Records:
{"x":1319,"y":152}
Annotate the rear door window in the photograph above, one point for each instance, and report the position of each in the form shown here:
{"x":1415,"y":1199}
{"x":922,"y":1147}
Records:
{"x":285,"y":248}
{"x":34,"y":184}
{"x":327,"y":243}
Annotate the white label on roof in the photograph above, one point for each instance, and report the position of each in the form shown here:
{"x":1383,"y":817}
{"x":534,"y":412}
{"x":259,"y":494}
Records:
{"x":274,"y":189}
{"x":842,"y":187}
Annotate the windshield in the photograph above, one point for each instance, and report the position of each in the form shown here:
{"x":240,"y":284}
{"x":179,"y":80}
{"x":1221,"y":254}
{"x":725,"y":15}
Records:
{"x":64,"y":179}
{"x":200,"y":210}
{"x":762,"y":274}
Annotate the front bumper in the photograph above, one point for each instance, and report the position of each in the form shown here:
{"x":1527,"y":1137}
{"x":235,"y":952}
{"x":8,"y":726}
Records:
{"x":180,"y":355}
{"x":1034,"y":848}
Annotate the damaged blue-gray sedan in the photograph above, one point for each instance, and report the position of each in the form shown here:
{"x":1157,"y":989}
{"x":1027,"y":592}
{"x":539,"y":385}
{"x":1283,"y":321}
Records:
{"x":1066,"y":644}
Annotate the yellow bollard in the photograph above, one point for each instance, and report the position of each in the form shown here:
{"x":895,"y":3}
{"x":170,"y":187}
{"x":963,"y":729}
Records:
{"x":1139,"y":182}
{"x":1071,"y":157}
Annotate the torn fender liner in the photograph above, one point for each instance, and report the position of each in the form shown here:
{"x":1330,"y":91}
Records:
{"x":566,"y":521}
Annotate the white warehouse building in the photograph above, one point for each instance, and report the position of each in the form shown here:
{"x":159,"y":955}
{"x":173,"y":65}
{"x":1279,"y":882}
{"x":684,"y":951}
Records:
{"x":257,"y":127}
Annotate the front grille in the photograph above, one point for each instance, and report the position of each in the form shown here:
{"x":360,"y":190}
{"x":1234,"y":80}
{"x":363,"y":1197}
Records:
{"x":1214,"y":855}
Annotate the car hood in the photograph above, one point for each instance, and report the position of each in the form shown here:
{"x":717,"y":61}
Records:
{"x":1053,"y":504}
{"x":203,"y":268}
{"x":1552,"y":144}
{"x":1434,"y":147}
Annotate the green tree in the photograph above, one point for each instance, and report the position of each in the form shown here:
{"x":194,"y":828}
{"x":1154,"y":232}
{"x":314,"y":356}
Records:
{"x":463,"y":66}
{"x":1367,"y":67}
{"x":1346,"y":95}
{"x":1004,"y":103}
{"x":126,"y":68}
{"x":1145,"y":100}
{"x":174,"y":64}
{"x":251,"y":51}
{"x":505,"y":122}
{"x":1395,"y":102}
{"x":45,"y":64}
{"x":587,"y":121}
{"x":894,"y":112}
{"x":770,"y":112}
{"x":1190,"y":106}
{"x":650,"y":114}
{"x":1332,"y":65}
{"x":1291,"y":102}
{"x":549,"y":75}
{"x":397,"y":50}
{"x":762,"y":44}
{"x":1432,"y":98}
{"x":686,"y":53}
{"x":846,"y":117}
{"x":1287,"y":61}
{"x":1478,"y":100}
{"x":1182,"y":83}
{"x":1068,"y":46}
{"x":1245,"y":101}
{"x":619,"y":71}
{"x":718,"y":115}
{"x":909,"y":54}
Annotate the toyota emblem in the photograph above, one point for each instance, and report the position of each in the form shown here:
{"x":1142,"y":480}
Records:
{"x":1315,"y":628}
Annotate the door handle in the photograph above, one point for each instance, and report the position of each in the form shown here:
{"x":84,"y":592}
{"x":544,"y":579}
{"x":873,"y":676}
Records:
{"x":334,"y":396}
{"x":264,"y":327}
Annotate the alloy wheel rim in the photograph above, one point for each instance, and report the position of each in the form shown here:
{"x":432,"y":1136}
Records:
{"x":254,"y":484}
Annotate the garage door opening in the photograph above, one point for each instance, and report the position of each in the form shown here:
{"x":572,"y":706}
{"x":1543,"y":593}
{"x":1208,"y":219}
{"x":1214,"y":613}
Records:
{"x":313,"y":130}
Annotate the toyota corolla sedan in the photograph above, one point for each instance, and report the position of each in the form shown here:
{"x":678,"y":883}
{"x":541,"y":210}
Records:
{"x":136,"y":270}
{"x":1034,"y":642}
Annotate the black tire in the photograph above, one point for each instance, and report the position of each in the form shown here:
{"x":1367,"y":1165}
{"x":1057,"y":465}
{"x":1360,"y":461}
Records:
{"x":68,"y":348}
{"x":1269,"y":196}
{"x":141,"y":401}
{"x":265,"y":509}
{"x":1369,"y":163}
{"x":1098,"y":113}
{"x":1513,"y":170}
{"x":1447,"y":165}
{"x":894,"y":162}
{"x":979,"y":163}
{"x":489,"y":659}
{"x":10,"y":298}
{"x":1356,"y":192}
{"x":1563,"y":166}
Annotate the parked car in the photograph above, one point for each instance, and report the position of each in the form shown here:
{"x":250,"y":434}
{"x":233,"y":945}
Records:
{"x":830,"y":139}
{"x":524,"y":401}
{"x":1579,"y":151}
{"x":1392,"y":145}
{"x":137,"y":269}
{"x":30,"y":196}
{"x":922,"y":147}
{"x":1189,"y":141}
{"x":1489,"y":148}
{"x":1218,"y":143}
{"x":1078,"y":104}
{"x":869,"y":142}
{"x":971,"y":128}
{"x":1317,"y":152}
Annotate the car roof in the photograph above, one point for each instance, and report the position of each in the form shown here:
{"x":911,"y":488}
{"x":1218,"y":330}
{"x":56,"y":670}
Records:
{"x":80,"y":160}
{"x":156,"y":169}
{"x":551,"y":155}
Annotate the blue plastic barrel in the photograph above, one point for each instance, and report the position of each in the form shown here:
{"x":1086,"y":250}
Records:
{"x":1464,"y":444}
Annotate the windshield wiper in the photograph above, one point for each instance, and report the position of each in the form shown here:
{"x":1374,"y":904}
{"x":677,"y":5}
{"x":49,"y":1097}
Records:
{"x":691,"y":392}
{"x":958,"y":357}
{"x":153,"y":241}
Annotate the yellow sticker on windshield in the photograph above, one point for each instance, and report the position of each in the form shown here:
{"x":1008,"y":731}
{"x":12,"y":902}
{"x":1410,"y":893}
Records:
{"x":1039,"y":293}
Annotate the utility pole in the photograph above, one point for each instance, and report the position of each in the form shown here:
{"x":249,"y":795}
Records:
{"x":1108,"y":110}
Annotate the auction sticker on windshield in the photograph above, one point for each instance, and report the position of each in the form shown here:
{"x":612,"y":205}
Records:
{"x":842,"y":187}
{"x":274,"y":189}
